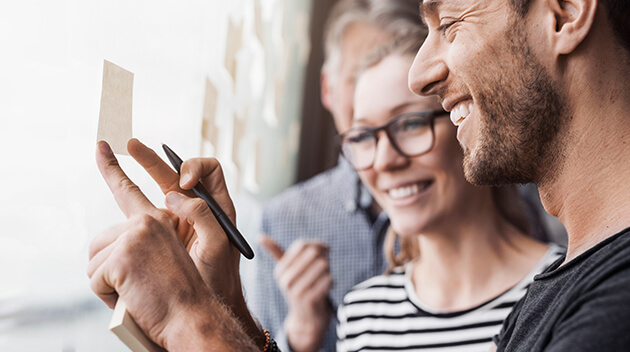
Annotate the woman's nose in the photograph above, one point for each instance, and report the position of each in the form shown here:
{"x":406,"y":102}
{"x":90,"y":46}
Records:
{"x":386,"y":157}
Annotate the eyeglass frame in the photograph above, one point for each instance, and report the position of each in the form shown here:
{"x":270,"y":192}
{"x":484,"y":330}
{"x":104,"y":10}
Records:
{"x":432,"y":115}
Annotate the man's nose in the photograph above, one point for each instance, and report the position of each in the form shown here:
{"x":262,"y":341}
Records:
{"x":429,"y":71}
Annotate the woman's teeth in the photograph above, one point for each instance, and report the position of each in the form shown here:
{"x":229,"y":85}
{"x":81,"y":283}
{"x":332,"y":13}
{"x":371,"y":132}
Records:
{"x":402,"y":192}
{"x":460,"y":112}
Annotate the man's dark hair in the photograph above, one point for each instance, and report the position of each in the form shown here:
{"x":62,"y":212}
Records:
{"x":618,"y":12}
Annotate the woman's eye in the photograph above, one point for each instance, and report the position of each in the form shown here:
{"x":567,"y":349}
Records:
{"x":359,"y":138}
{"x":413,"y":125}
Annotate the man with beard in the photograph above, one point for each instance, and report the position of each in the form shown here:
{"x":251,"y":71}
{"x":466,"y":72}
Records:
{"x":540,"y":90}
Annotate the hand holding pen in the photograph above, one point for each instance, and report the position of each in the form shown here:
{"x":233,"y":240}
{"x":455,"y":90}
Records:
{"x":226,"y":224}
{"x":170,"y":181}
{"x":140,"y":255}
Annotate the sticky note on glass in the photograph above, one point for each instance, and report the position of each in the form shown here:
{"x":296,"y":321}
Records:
{"x":114,"y":122}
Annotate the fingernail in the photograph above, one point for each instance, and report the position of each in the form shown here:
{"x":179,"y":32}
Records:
{"x":184,"y":179}
{"x":105,"y":148}
{"x":173,"y":198}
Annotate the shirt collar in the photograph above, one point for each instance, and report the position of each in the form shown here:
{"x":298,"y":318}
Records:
{"x":358,"y":196}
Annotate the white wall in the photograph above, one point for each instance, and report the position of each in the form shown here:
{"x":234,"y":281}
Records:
{"x":54,"y":201}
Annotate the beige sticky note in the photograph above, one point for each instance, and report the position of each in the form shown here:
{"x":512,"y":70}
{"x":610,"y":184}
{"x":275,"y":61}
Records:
{"x":240,"y":130}
{"x":232,"y":46}
{"x":123,"y":325}
{"x":114,"y":122}
{"x":258,"y":21}
{"x":209,"y":130}
{"x":279,"y":87}
{"x":253,"y":168}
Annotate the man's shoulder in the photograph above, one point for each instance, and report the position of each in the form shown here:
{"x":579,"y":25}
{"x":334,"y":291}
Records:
{"x":325,"y":187}
{"x":605,"y":264}
{"x":610,"y":255}
{"x":581,"y":302}
{"x":610,"y":265}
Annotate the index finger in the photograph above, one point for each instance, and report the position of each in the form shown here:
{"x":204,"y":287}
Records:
{"x":128,"y":196}
{"x":166,"y":178}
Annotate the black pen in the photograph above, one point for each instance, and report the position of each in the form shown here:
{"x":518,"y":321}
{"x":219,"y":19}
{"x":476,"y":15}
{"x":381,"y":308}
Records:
{"x":200,"y":191}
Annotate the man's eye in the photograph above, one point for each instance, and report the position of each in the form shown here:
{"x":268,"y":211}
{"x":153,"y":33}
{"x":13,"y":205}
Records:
{"x":444,"y":28}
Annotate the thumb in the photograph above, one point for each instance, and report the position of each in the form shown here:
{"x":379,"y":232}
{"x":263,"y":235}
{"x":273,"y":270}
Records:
{"x":272,"y":247}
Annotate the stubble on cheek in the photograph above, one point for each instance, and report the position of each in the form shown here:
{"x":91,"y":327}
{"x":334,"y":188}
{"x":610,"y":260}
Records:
{"x":521,"y":113}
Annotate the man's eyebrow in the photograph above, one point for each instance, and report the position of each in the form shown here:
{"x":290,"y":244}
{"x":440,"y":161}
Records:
{"x":429,"y":7}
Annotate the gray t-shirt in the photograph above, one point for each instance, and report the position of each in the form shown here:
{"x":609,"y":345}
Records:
{"x":583,"y":305}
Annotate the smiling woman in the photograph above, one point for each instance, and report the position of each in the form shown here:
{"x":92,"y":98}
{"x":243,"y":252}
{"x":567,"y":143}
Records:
{"x":466,"y":255}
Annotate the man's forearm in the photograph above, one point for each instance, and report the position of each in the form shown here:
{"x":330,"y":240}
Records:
{"x":248,"y":324}
{"x":212,"y":327}
{"x":232,"y":301}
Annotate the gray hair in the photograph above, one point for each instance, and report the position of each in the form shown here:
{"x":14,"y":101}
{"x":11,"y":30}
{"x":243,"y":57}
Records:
{"x":395,"y":17}
{"x":404,"y":45}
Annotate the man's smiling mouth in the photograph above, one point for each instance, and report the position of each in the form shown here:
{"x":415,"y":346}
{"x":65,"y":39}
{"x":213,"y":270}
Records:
{"x":460,"y":112}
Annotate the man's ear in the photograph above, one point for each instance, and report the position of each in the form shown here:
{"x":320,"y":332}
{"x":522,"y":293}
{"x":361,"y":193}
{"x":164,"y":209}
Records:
{"x":326,"y":90}
{"x":573,"y":22}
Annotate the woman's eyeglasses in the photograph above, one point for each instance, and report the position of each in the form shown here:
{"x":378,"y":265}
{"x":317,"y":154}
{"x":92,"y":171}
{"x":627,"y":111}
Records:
{"x":410,"y":134}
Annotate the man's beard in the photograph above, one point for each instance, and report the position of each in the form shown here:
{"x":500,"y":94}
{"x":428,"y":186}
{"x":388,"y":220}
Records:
{"x":522,"y":113}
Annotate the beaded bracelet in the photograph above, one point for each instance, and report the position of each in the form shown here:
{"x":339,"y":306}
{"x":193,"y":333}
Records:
{"x":270,"y":344}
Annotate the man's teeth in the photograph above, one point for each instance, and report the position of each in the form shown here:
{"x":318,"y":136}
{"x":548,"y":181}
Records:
{"x":402,"y":192}
{"x":460,"y":112}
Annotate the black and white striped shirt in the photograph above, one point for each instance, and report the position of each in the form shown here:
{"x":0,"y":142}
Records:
{"x":384,"y":314}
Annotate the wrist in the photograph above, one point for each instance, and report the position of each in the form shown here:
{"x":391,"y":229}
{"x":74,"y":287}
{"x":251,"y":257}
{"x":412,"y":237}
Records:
{"x":306,"y":333}
{"x":250,"y":325}
{"x":228,"y":294}
{"x":206,"y":325}
{"x":192,"y":328}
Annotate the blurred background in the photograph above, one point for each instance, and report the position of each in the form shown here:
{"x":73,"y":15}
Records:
{"x":238,"y":80}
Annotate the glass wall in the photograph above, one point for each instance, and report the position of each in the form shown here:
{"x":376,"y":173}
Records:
{"x":213,"y":78}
